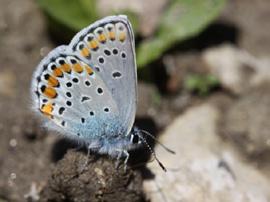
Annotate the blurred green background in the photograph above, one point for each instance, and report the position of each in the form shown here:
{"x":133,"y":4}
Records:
{"x":174,"y":20}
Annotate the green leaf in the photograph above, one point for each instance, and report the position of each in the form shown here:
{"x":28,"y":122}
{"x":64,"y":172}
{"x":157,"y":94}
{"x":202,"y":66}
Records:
{"x":73,"y":14}
{"x":182,"y":19}
{"x":78,"y":14}
{"x":202,"y":84}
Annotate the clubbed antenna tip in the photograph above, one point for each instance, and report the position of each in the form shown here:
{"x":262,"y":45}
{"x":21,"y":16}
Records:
{"x":162,"y":166}
{"x":153,"y":153}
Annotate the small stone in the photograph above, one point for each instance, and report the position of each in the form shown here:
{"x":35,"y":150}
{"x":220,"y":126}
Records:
{"x":13,"y":142}
{"x":204,"y":168}
{"x":236,"y":69}
{"x":246,"y":122}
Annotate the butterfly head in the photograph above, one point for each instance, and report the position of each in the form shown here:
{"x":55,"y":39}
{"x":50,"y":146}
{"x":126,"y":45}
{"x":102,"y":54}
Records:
{"x":136,"y":136}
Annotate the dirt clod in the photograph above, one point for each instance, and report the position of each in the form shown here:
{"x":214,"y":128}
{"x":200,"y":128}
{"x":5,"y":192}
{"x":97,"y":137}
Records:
{"x":99,"y":181}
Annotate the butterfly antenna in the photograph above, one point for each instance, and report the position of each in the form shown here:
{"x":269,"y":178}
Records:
{"x":153,"y":153}
{"x":162,"y":145}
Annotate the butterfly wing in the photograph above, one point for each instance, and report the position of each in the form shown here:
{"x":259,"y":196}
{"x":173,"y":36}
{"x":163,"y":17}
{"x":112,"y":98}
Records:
{"x":108,"y":44}
{"x":69,"y":92}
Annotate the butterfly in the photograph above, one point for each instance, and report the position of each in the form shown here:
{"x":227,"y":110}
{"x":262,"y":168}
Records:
{"x":87,"y":90}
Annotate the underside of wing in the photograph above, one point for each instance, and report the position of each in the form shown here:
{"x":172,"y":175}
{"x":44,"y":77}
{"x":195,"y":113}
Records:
{"x":108,"y":45}
{"x":72,"y":96}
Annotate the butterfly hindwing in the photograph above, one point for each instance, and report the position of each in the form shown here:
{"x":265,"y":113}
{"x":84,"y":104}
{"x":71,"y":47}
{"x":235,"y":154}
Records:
{"x":69,"y":92}
{"x":108,"y":44}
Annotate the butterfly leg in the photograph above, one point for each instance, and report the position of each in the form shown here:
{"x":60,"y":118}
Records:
{"x":86,"y":160}
{"x":125,"y":152}
{"x":120,"y":153}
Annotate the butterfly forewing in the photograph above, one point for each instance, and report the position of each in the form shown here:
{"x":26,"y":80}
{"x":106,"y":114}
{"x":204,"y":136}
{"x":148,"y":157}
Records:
{"x":108,"y":45}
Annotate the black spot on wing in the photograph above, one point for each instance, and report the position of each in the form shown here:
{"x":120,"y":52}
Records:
{"x":61,"y":110}
{"x":85,"y":98}
{"x":116,"y":74}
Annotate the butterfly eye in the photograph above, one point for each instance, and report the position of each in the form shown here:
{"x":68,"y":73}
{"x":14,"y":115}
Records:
{"x":134,"y":139}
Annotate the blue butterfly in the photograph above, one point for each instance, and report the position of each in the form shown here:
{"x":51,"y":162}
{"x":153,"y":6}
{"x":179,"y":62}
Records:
{"x":88,"y":89}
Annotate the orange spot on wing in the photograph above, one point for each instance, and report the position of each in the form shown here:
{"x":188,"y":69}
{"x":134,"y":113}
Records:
{"x":66,"y":68}
{"x":50,"y":92}
{"x":53,"y":81}
{"x":57,"y":72}
{"x":85,"y":52}
{"x":77,"y":68}
{"x":122,"y":36}
{"x":102,"y":38}
{"x":47,"y":109}
{"x":112,"y":35}
{"x":89,"y":70}
{"x":93,"y":44}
